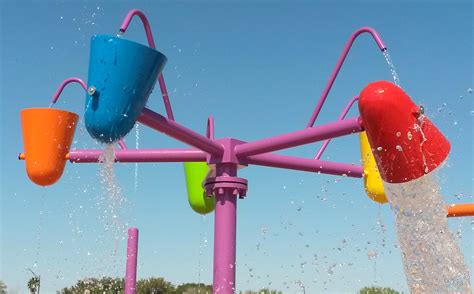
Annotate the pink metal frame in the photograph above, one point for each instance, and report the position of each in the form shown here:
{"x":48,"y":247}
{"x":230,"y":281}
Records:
{"x":131,"y":266}
{"x":228,"y":154}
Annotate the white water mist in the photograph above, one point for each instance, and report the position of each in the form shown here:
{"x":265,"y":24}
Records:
{"x":432,"y":259}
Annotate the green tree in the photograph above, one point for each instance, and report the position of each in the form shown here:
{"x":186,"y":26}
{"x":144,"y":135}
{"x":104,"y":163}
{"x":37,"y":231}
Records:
{"x":262,"y":291}
{"x":3,"y":287}
{"x":193,"y":288}
{"x":33,"y":285}
{"x":155,"y":286}
{"x":377,"y":290}
{"x":105,"y":285}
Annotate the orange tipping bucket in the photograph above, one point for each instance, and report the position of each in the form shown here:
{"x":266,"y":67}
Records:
{"x":47,"y":136}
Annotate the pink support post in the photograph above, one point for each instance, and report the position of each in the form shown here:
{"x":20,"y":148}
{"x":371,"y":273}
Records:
{"x":225,"y":221}
{"x":339,"y":63}
{"x":131,"y":268}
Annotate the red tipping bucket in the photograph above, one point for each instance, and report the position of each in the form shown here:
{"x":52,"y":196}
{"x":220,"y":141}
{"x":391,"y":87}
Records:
{"x":405,"y":143}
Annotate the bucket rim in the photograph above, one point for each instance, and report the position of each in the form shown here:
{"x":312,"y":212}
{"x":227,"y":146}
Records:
{"x":103,"y":36}
{"x":49,"y":109}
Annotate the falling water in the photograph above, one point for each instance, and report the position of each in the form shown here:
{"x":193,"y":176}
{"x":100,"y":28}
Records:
{"x":40,"y":228}
{"x":432,"y":260}
{"x":395,"y":77}
{"x":137,"y":141}
{"x":113,"y":199}
{"x":202,"y":244}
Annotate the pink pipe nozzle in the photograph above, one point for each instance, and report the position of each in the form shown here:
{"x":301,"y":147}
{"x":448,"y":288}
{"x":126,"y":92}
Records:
{"x":63,"y":84}
{"x":151,"y":43}
{"x":146,"y":25}
{"x":338,"y":66}
{"x":131,"y":267}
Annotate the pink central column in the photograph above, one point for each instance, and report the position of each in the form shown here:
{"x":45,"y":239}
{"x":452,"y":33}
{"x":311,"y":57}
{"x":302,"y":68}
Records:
{"x":225,"y":236}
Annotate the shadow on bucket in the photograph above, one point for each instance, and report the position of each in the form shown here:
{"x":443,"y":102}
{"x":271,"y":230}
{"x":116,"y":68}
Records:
{"x":122,"y":75}
{"x":47,"y":137}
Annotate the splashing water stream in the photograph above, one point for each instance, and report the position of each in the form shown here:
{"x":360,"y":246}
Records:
{"x":433,"y":262}
{"x":396,"y":79}
{"x":40,"y":228}
{"x":113,"y":200}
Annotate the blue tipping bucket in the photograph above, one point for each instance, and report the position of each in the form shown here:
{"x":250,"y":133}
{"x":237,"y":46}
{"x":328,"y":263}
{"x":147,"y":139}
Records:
{"x":122,"y":75}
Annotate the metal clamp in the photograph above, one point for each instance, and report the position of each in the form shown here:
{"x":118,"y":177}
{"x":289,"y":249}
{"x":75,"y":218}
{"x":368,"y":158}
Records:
{"x":216,"y":185}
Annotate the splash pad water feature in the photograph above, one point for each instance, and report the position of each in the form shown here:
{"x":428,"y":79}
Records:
{"x":121,"y":76}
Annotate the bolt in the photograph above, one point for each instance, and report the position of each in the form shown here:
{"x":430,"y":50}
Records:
{"x":421,"y":110}
{"x":91,"y":90}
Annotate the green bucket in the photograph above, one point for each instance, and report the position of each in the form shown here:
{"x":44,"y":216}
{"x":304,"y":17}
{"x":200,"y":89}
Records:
{"x":195,"y":174}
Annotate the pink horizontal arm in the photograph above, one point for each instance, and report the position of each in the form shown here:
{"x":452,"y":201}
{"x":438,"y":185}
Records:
{"x":151,"y":43}
{"x":179,"y":132}
{"x":339,"y":63}
{"x":341,"y":117}
{"x":142,"y":155}
{"x":309,"y":165}
{"x":64,"y":84}
{"x":297,"y":138}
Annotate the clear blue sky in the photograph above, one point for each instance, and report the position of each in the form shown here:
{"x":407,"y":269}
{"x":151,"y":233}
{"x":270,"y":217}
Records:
{"x":259,"y":68}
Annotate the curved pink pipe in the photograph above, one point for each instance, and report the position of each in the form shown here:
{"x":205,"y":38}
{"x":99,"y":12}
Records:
{"x":64,"y":83}
{"x":151,"y":43}
{"x":339,"y":63}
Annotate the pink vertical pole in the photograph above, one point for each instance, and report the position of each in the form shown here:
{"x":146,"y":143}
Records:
{"x":131,"y":268}
{"x":224,"y":236}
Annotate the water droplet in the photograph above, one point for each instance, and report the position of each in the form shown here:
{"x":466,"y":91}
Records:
{"x":399,"y":148}
{"x":372,"y":254}
{"x":469,"y":90}
{"x":409,"y":136}
{"x":379,"y":148}
{"x":398,"y":134}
